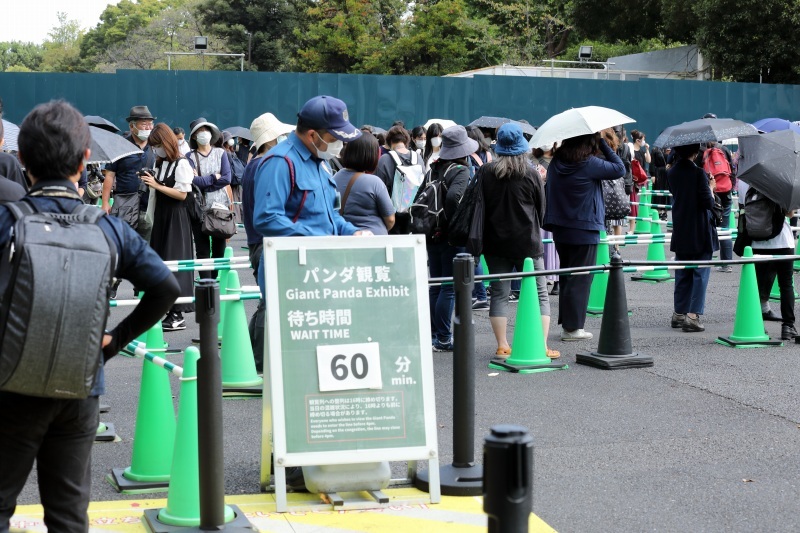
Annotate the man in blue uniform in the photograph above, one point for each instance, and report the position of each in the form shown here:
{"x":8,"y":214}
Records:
{"x":54,"y":142}
{"x":311,"y":207}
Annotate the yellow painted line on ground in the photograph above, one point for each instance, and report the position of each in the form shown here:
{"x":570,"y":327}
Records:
{"x":308,"y":514}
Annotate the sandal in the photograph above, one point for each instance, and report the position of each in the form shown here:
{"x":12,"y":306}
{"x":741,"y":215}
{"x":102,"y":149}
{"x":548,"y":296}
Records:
{"x":503,"y":353}
{"x":553,"y":354}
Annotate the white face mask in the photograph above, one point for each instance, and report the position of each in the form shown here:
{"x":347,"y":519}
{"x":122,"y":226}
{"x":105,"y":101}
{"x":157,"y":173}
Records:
{"x":160,"y":152}
{"x":436,"y":142}
{"x":231,"y":142}
{"x":334,"y":149}
{"x":143,"y":135}
{"x":420,"y":144}
{"x":280,"y":139}
{"x":203,"y":138}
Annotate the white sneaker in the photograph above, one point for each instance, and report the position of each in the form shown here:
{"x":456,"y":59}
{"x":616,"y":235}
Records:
{"x":577,"y":335}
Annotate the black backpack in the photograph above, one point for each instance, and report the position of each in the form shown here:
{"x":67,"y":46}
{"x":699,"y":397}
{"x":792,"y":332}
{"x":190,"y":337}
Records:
{"x":458,"y":228}
{"x":56,"y":272}
{"x":237,"y":169}
{"x":763,"y":217}
{"x":427,"y":211}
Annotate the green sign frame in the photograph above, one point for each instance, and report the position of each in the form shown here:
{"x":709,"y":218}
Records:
{"x":349,"y":362}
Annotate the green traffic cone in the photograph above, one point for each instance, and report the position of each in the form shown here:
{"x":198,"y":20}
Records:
{"x":222,"y":277}
{"x":796,"y":266}
{"x":529,"y":350}
{"x":486,"y":270}
{"x":597,"y":295}
{"x":183,"y":499}
{"x":154,"y":435}
{"x":748,"y":326}
{"x":238,"y":366}
{"x":655,"y":252}
{"x":642,"y":225}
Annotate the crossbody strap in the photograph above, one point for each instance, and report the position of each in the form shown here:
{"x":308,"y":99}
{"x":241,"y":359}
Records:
{"x":347,"y":191}
{"x":296,"y":216}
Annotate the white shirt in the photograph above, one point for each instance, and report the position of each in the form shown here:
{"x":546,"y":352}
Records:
{"x":183,"y":175}
{"x":785,"y":239}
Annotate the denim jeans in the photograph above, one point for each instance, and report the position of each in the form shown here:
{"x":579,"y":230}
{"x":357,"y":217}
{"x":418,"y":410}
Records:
{"x":690,"y":285}
{"x":479,"y":292}
{"x":725,"y":246}
{"x":442,"y":298}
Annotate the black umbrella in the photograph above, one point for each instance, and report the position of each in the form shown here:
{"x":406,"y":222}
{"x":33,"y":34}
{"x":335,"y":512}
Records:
{"x":527,"y":129}
{"x":100,"y":122}
{"x":771,"y":164}
{"x":703,"y":130}
{"x":239,"y":131}
{"x":490,"y":122}
{"x":108,"y":147}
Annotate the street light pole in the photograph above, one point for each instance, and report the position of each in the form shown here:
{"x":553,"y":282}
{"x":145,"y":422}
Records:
{"x":249,"y":48}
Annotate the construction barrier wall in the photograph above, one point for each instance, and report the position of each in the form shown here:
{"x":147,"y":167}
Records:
{"x":235,"y":98}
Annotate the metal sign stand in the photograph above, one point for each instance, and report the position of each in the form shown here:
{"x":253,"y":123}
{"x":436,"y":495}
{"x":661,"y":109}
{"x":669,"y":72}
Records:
{"x":349,"y":375}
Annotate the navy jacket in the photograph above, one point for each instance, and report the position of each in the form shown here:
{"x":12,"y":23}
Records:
{"x":575,"y":195}
{"x":693,"y":231}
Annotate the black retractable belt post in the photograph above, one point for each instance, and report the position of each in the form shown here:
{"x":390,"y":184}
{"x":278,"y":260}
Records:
{"x":508,"y":478}
{"x":463,"y":477}
{"x":209,"y":408}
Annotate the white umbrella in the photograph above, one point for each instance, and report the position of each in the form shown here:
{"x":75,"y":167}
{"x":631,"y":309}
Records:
{"x":443,"y":122}
{"x":575,"y":122}
{"x":11,"y":133}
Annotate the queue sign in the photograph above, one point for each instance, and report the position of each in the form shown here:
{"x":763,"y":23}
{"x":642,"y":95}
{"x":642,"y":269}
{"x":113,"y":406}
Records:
{"x":349,"y":367}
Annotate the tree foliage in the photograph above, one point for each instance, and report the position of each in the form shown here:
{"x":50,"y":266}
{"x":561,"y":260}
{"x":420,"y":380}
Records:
{"x":348,"y":36}
{"x":117,"y":23}
{"x":62,"y":48}
{"x":20,"y":57}
{"x":752,"y":40}
{"x":266,"y":27}
{"x":749,"y":40}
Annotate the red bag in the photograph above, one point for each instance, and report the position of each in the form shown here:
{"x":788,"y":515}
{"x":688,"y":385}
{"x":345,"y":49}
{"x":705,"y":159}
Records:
{"x":639,"y":175}
{"x":717,"y":166}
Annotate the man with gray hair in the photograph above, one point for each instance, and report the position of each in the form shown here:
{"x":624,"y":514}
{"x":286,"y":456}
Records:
{"x":123,"y":175}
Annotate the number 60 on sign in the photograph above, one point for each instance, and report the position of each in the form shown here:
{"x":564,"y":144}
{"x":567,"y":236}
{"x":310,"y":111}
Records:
{"x":349,"y":366}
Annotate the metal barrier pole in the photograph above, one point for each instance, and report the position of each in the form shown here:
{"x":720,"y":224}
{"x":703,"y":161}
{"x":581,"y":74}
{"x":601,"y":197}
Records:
{"x":463,"y":368}
{"x":209,"y":408}
{"x":508,"y":478}
{"x":463,"y":477}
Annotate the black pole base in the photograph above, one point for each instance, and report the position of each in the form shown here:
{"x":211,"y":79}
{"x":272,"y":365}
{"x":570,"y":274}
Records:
{"x":501,"y":364}
{"x":614,"y":362}
{"x":651,"y":280}
{"x":454,"y":480}
{"x":232,"y":391}
{"x":239,"y":523}
{"x":127,"y":486}
{"x":727,"y":341}
{"x":109,"y":435}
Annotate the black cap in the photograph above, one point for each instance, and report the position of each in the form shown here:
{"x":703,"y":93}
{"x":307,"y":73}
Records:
{"x":709,"y":115}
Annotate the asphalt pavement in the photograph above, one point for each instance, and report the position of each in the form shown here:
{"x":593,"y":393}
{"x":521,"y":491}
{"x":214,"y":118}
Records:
{"x":708,"y":439}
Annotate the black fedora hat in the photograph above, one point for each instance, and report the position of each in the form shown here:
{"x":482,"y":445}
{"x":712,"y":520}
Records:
{"x":139,"y":112}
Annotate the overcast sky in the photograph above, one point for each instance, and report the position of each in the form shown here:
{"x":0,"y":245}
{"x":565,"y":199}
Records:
{"x":30,"y":20}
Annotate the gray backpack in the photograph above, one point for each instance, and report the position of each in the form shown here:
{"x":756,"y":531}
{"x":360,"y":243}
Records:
{"x":55,"y":275}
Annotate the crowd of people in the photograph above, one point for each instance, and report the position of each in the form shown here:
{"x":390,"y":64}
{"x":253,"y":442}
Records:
{"x":323,"y":176}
